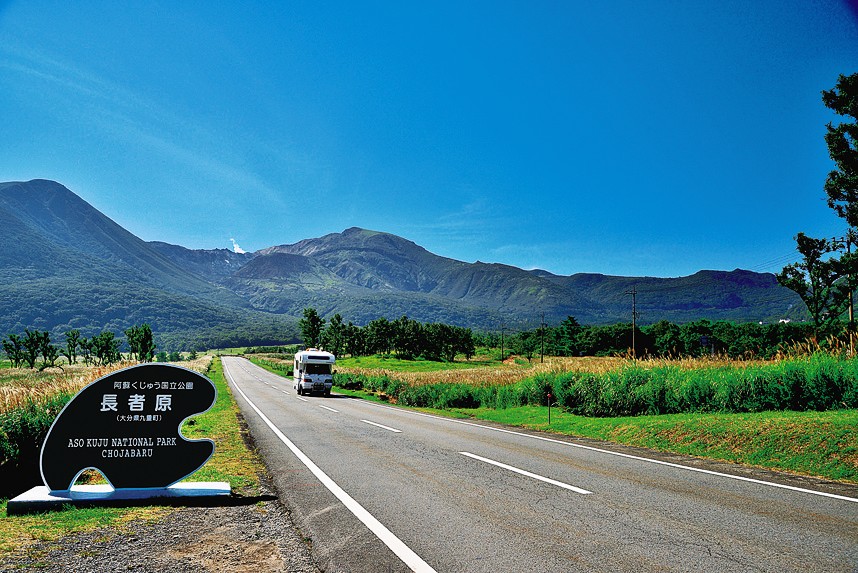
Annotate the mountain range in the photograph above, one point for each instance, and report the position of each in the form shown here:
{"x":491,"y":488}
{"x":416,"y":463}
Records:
{"x":65,"y":265}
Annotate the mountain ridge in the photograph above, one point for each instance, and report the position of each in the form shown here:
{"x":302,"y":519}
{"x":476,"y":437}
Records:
{"x":57,"y":238}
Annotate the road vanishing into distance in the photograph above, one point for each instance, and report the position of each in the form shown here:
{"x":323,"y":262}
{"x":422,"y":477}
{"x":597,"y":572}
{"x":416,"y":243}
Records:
{"x":378,"y":488}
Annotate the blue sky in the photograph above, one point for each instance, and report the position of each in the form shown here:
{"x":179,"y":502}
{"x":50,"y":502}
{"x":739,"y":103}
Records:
{"x":626,"y":138}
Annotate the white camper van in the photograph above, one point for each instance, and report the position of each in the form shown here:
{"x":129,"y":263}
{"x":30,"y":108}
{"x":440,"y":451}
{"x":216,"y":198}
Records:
{"x":313,"y":371}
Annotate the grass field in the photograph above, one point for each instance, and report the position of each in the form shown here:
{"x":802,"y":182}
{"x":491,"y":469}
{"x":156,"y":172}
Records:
{"x":618,"y":387}
{"x":823,"y":443}
{"x":484,"y":371}
{"x":232,"y":462}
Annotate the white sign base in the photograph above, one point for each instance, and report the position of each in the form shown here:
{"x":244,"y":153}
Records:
{"x":42,"y":499}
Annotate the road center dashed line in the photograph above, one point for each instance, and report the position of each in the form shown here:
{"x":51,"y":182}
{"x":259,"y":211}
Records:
{"x":628,"y":456}
{"x":382,"y":426}
{"x":328,"y":408}
{"x":528,"y":474}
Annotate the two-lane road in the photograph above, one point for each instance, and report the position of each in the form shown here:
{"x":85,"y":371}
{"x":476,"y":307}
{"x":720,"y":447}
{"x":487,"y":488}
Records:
{"x":376,"y":488}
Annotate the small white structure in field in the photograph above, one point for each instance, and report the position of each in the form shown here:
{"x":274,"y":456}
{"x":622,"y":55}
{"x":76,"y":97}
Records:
{"x":313,"y":371}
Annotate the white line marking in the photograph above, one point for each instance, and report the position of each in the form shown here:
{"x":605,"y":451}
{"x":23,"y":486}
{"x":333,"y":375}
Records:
{"x":382,"y":426}
{"x":285,"y":391}
{"x":411,"y":559}
{"x":628,"y":456}
{"x":528,"y":474}
{"x":302,"y":399}
{"x":327,"y":408}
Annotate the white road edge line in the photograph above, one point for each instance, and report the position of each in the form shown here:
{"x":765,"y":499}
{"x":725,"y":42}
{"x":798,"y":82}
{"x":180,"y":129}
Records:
{"x":528,"y":474}
{"x":302,"y":399}
{"x":411,"y":559}
{"x":382,"y":426}
{"x":629,"y":456}
{"x":329,"y":408}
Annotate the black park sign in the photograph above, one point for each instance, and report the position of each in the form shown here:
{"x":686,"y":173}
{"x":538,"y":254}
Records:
{"x":127,"y":426}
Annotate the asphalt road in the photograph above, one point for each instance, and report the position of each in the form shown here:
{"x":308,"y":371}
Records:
{"x":377,"y":488}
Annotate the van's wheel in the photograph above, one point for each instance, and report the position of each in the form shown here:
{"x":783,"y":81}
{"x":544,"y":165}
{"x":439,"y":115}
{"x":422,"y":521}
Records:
{"x":298,"y":390}
{"x":327,"y":393}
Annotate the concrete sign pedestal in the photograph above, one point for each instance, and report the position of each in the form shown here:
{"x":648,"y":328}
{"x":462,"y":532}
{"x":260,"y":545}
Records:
{"x":40,"y":498}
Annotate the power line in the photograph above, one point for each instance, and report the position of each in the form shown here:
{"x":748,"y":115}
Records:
{"x":775,"y":262}
{"x":780,"y":261}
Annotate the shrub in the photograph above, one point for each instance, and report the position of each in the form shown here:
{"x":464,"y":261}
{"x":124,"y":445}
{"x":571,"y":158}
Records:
{"x":22,"y":431}
{"x":818,"y":382}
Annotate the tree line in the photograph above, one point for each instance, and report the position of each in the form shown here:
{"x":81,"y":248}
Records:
{"x":662,"y":340}
{"x":174,"y":356}
{"x":406,"y":337}
{"x":410,"y":339}
{"x":100,"y":349}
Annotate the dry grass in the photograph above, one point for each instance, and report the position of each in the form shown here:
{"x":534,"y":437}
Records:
{"x":21,"y":386}
{"x":703,"y":362}
{"x":272,"y":358}
{"x":200,"y":364}
{"x":511,"y":371}
{"x":503,"y":374}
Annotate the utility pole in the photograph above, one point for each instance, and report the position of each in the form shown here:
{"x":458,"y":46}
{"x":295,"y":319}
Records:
{"x":851,"y":304}
{"x":836,"y":243}
{"x":542,"y":337}
{"x":634,"y":293}
{"x":503,"y":328}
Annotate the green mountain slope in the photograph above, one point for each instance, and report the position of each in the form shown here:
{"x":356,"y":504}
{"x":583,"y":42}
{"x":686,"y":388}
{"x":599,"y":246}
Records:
{"x":66,"y":265}
{"x":56,"y":231}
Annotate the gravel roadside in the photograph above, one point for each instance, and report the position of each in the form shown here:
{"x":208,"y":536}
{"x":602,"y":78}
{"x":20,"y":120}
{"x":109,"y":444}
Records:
{"x":255,"y":537}
{"x":250,"y":532}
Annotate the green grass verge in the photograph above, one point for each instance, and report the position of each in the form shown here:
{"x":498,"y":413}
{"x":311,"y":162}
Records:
{"x":232,"y":462}
{"x":822,"y":444}
{"x":228,"y":351}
